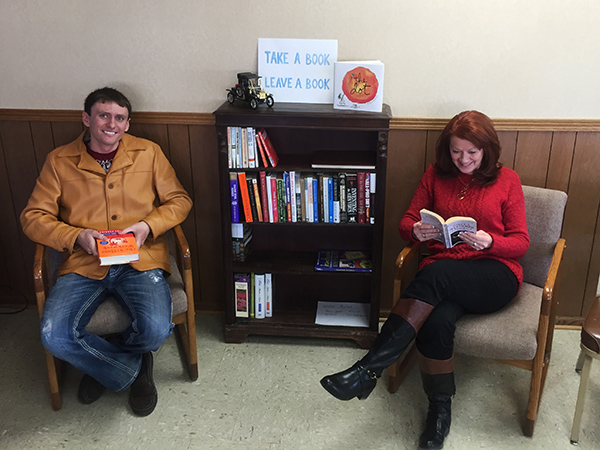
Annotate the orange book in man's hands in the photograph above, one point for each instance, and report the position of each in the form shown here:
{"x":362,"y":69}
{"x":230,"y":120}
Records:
{"x":117,"y":248}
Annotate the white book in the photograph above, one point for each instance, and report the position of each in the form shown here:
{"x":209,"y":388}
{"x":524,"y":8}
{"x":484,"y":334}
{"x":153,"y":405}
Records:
{"x":308,"y":186}
{"x":268,"y":295}
{"x":259,"y":296}
{"x":229,"y":147}
{"x":244,"y":139}
{"x":251,"y":148}
{"x":234,"y":157}
{"x":298,"y":185}
{"x":325,"y":188}
{"x":372,"y":196}
{"x":358,"y":85}
{"x":269,"y":198}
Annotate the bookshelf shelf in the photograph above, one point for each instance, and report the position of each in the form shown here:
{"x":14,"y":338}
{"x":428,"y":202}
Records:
{"x":288,"y":250}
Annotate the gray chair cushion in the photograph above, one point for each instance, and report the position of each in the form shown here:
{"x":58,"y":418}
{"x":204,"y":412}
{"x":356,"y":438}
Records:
{"x":508,"y":334}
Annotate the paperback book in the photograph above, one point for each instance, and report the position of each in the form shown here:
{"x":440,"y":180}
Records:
{"x":449,"y":229}
{"x":117,"y":248}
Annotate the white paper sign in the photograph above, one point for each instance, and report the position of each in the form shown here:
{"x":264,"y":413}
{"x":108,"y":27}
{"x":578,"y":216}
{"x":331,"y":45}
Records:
{"x":344,"y":314}
{"x":297,"y":70}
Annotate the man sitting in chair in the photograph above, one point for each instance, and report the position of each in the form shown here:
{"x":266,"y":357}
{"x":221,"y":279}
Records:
{"x":107,"y":180}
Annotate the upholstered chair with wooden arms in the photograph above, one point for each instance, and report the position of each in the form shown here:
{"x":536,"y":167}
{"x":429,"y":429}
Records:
{"x":521,"y":333}
{"x":110,"y":317}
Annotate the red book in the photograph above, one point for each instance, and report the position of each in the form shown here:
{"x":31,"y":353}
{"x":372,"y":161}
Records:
{"x":245,"y":196}
{"x":360,"y":200}
{"x":274,"y":199}
{"x":261,"y":150}
{"x":268,"y":147}
{"x":263,"y":195}
{"x":117,"y":248}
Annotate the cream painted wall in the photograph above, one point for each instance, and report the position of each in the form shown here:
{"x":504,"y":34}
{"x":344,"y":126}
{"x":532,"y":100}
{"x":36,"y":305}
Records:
{"x":510,"y":59}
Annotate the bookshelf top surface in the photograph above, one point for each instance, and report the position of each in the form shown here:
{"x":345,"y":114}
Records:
{"x":300,"y":114}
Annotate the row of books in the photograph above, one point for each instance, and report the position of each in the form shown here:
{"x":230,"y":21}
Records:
{"x":250,"y":149}
{"x":302,"y":197}
{"x":253,"y":295}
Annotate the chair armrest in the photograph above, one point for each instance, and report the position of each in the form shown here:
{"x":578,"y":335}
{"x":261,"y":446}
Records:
{"x":547,"y":303}
{"x":183,"y":258}
{"x":40,"y":278}
{"x":402,"y":260}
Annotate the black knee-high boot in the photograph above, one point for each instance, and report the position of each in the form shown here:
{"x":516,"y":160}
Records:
{"x":397,"y":333}
{"x":439,"y":389}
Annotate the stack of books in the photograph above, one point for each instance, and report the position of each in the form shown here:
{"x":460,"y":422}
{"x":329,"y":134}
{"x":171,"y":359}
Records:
{"x":253,"y":295}
{"x":241,"y":234}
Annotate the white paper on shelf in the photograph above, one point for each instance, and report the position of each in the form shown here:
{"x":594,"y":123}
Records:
{"x":343,"y":314}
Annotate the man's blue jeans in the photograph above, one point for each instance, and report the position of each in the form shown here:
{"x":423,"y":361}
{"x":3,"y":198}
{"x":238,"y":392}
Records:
{"x":145,"y":297}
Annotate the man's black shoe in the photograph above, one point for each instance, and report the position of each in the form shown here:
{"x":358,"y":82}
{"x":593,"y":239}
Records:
{"x":143,"y":396}
{"x":90,"y":390}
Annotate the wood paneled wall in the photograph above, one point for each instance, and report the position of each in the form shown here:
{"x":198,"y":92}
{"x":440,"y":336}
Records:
{"x":557,"y":154}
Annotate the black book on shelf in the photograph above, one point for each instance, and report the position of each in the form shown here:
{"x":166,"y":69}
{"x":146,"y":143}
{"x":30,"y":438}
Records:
{"x":352,"y":197}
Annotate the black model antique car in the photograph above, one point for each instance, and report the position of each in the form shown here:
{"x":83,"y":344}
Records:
{"x":248,"y":89}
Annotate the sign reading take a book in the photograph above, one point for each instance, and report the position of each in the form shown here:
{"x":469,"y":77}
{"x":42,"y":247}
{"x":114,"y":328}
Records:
{"x":298,"y":70}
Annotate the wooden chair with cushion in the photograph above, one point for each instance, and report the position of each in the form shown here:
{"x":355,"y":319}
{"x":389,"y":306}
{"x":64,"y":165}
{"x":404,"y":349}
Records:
{"x":110,"y":317}
{"x":521,"y":333}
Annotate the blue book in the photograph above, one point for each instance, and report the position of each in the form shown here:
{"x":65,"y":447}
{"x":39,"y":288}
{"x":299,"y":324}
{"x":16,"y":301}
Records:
{"x":233,"y":188}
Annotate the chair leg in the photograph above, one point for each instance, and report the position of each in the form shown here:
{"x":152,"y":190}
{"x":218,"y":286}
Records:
{"x":187,"y":337}
{"x":585,"y":374}
{"x":538,"y":380}
{"x":52,"y":365}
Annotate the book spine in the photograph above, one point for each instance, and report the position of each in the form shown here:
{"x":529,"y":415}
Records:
{"x":281,"y":200}
{"x":268,"y":146}
{"x":274,"y":206}
{"x":252,"y":200}
{"x":336,"y":198}
{"x":259,"y":297}
{"x":245,"y":196}
{"x":293,"y":206}
{"x":239,"y":149}
{"x":298,"y":194}
{"x":360,"y":199}
{"x":244,"y":140}
{"x":263,"y":195}
{"x":233,"y":132}
{"x":255,"y":189}
{"x":250,"y":139}
{"x":372,"y":186}
{"x":351,"y":193}
{"x":330,"y":199}
{"x":343,"y":197}
{"x":229,"y":161}
{"x":288,"y":196}
{"x":308,"y":182}
{"x":268,"y":295}
{"x":261,"y":150}
{"x":315,"y":200}
{"x":241,"y":290}
{"x":233,"y":188}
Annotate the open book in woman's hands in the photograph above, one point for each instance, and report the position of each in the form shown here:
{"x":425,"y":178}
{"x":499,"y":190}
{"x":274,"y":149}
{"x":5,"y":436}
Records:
{"x":449,"y":229}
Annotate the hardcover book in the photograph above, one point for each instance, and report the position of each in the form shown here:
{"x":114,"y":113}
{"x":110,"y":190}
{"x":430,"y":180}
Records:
{"x":358,"y":85}
{"x":117,"y":248}
{"x":268,"y":147}
{"x":343,"y":261}
{"x":242,"y":301}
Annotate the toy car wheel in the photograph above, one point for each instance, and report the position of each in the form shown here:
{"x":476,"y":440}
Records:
{"x":253,"y":103}
{"x":230,"y":97}
{"x":239,"y":91}
{"x":270,"y":102}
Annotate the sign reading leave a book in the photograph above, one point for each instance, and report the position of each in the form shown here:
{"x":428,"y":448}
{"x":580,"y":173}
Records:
{"x":298,"y":70}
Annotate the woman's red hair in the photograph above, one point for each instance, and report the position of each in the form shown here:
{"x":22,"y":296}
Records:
{"x":478,"y":129}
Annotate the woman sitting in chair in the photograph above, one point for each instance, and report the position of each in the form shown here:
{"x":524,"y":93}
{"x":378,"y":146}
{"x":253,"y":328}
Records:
{"x":480,"y":275}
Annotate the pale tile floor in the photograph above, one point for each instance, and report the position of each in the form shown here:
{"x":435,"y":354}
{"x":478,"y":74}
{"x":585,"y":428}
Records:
{"x":265,"y":394}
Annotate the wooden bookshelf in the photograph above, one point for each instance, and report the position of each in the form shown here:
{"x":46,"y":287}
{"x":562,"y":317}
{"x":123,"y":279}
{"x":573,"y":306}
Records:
{"x":289,"y":250}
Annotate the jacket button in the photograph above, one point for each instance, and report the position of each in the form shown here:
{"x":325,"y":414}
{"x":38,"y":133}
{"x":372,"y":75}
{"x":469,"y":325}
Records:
{"x":65,"y":249}
{"x":110,"y":186}
{"x":114,"y":217}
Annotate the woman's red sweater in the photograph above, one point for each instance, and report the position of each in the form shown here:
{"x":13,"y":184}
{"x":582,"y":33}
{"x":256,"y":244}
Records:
{"x":499,"y":210}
